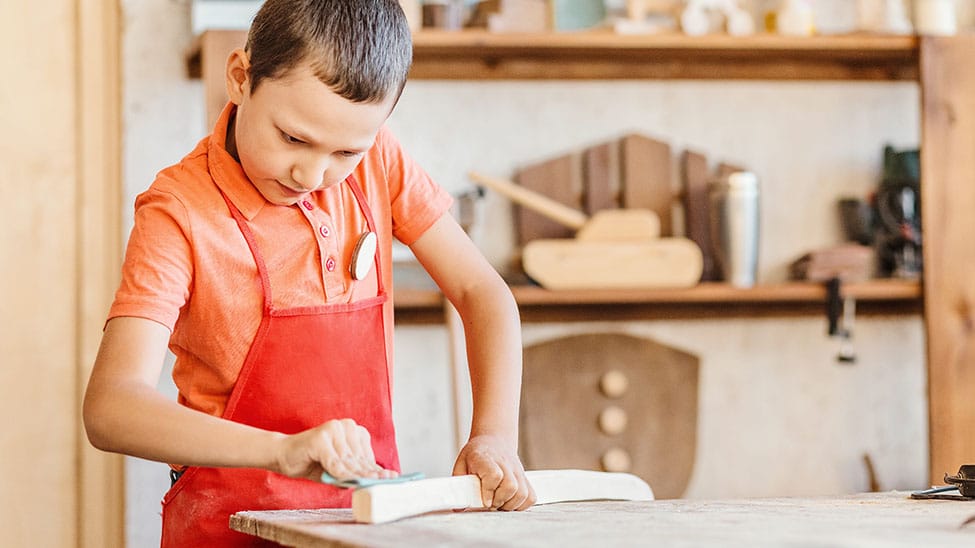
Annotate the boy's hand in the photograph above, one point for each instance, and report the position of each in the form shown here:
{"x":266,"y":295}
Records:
{"x":503,"y":482}
{"x":340,"y":447}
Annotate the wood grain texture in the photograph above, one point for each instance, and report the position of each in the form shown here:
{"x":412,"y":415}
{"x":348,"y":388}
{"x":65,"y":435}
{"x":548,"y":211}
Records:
{"x":559,"y":179}
{"x":562,"y":402}
{"x":567,"y":264}
{"x":476,"y":54}
{"x":706,"y":299}
{"x":646,"y":174}
{"x":947,"y":201}
{"x":214,"y":49}
{"x":40,"y":254}
{"x":604,"y":55}
{"x":101,"y":475}
{"x":600,"y":166}
{"x":697,"y":217}
{"x":870,"y":521}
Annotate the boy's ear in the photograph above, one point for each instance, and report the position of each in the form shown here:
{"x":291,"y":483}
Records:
{"x":238,"y":81}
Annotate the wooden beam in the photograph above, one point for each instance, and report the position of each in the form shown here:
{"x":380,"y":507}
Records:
{"x":948,"y":200}
{"x":101,"y":500}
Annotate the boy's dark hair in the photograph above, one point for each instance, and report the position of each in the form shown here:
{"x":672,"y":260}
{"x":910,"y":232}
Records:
{"x":360,"y":49}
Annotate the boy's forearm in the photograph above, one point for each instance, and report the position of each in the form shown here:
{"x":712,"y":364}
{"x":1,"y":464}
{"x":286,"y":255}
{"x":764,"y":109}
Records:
{"x":138,"y":421}
{"x":494,"y":352}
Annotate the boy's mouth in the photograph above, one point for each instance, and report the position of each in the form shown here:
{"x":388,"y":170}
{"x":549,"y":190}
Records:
{"x":288,"y":191}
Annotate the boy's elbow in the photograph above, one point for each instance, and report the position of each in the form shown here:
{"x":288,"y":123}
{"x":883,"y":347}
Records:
{"x":93,"y":420}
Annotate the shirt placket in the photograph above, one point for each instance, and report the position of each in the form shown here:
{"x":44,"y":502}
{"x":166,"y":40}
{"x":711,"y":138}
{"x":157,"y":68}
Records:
{"x":321,"y":223}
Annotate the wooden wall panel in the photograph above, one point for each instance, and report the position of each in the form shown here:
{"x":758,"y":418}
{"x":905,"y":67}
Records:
{"x":38,"y":287}
{"x":948,"y":203}
{"x":59,"y":194}
{"x":101,"y":491}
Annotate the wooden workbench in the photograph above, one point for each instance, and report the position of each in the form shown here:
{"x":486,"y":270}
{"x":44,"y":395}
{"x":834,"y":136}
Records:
{"x":876,"y":519}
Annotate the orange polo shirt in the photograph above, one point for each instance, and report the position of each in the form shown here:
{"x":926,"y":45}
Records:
{"x":188,"y":267}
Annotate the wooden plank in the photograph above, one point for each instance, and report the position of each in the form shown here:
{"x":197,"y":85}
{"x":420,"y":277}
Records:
{"x":604,"y":55}
{"x":651,"y":421}
{"x":864,"y":47}
{"x":871,"y":520}
{"x":566,"y":264}
{"x":708,"y":299}
{"x":883,"y":289}
{"x":948,"y":200}
{"x":395,"y":501}
{"x":559,"y":179}
{"x":601,"y":173}
{"x":39,"y":152}
{"x":100,"y":475}
{"x":214,"y":47}
{"x":475,"y":54}
{"x":646,"y":178}
{"x":697,"y":217}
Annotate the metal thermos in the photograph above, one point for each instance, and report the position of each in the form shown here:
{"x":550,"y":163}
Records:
{"x":735,"y":227}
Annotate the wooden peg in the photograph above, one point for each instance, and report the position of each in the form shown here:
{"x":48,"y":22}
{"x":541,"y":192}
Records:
{"x":612,"y":420}
{"x":614,"y":383}
{"x":616,"y":460}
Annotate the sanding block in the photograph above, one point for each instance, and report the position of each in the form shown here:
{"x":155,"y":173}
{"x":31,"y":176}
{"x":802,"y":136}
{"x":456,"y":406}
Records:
{"x":356,"y":483}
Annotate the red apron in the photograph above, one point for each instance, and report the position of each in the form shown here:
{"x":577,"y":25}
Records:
{"x":306,"y":366}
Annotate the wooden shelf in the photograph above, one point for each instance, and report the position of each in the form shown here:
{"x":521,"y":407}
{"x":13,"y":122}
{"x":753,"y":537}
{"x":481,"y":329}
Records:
{"x":593,"y":55}
{"x":886,"y":296}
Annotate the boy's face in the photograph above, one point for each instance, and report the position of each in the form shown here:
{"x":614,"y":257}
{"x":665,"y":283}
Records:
{"x":294,"y":135}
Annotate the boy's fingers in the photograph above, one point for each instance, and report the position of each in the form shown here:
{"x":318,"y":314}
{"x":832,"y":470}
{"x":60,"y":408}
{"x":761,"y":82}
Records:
{"x":490,"y":480}
{"x":341,"y":463}
{"x":506,"y":491}
{"x":460,"y":468}
{"x":362,"y":442}
{"x":523,"y":498}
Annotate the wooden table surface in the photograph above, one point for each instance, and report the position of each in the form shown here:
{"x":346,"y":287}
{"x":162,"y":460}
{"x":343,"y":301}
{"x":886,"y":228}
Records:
{"x":875,"y":519}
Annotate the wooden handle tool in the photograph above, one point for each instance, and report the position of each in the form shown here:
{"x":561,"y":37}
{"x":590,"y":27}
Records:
{"x":390,"y":502}
{"x":607,"y":225}
{"x":539,"y":203}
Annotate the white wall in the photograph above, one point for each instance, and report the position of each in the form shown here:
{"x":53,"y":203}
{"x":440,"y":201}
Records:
{"x":778,"y":416}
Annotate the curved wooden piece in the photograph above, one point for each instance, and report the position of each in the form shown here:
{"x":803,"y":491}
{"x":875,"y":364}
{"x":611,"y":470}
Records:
{"x":574,"y":264}
{"x":390,"y":502}
{"x":561,"y":403}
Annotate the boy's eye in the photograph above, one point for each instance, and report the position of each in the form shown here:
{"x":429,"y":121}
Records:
{"x":291,"y":140}
{"x":350,"y":153}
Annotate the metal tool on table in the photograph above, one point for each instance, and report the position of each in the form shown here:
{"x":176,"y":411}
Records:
{"x":960,"y":486}
{"x":613,"y":249}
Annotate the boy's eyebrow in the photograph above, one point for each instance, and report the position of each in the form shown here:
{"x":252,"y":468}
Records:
{"x":296,"y":133}
{"x":303,"y":137}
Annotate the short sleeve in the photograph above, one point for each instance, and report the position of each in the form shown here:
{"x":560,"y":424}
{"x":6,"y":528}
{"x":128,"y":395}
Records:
{"x":158,"y":268}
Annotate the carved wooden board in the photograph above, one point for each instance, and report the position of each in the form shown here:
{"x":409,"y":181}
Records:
{"x":697,"y":216}
{"x":647,"y":172}
{"x":600,"y":165}
{"x":565,"y":409}
{"x":561,"y":180}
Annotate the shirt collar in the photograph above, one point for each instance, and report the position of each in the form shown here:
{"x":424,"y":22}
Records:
{"x":227,"y":172}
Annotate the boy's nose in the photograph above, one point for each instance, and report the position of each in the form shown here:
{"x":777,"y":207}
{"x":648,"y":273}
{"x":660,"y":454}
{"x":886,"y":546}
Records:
{"x":310,"y":174}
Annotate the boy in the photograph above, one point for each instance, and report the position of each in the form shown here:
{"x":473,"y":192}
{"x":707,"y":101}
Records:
{"x":255,"y":260}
